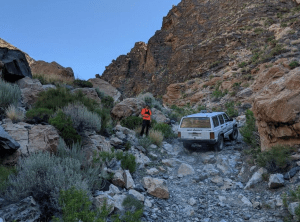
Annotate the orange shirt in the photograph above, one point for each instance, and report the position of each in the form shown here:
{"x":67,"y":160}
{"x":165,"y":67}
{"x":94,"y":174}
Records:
{"x":146,"y":114}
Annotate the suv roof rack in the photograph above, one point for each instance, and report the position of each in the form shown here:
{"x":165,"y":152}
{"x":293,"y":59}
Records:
{"x":203,"y":111}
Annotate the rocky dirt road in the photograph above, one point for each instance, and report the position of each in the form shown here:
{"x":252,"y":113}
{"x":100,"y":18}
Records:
{"x":208,"y":186}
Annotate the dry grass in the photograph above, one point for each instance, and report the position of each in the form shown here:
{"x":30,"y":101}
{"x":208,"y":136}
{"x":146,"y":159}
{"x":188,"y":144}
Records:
{"x":138,"y":129}
{"x":156,"y":137}
{"x":53,"y":79}
{"x":14,"y":113}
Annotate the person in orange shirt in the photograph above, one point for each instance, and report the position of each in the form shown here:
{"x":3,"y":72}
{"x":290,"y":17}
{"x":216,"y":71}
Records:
{"x":146,"y":114}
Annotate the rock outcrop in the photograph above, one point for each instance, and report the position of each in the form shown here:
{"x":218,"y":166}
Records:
{"x":276,"y":105}
{"x":105,"y":87}
{"x":15,"y":65}
{"x":196,"y":38}
{"x":53,"y":68}
{"x":128,"y":107}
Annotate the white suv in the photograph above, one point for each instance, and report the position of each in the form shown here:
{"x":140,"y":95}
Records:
{"x":207,"y":129}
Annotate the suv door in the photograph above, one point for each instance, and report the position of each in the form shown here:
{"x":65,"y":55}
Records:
{"x":227,"y":122}
{"x":222,"y":124}
{"x":217,"y":126}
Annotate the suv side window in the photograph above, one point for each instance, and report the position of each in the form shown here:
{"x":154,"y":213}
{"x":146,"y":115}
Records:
{"x":221,"y":119}
{"x":215,"y":121}
{"x":226,"y":118}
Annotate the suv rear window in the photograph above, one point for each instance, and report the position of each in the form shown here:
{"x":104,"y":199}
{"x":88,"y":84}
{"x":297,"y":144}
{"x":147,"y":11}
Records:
{"x":195,"y":122}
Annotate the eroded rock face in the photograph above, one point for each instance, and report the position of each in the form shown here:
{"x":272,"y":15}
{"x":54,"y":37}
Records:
{"x":53,"y":68}
{"x":30,"y":89}
{"x":156,"y":187}
{"x":128,"y":107}
{"x":105,"y":87}
{"x":276,"y":106}
{"x":31,"y":138}
{"x":90,"y":93}
{"x":15,"y":65}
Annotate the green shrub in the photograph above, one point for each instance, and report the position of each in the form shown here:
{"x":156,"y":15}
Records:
{"x":106,"y":101}
{"x":275,"y":159}
{"x":291,"y":197}
{"x":294,"y":64}
{"x":39,"y":113}
{"x":9,"y":94}
{"x":64,"y":125}
{"x":134,"y":210}
{"x":42,"y":175}
{"x":76,"y":206}
{"x":145,"y":142}
{"x":82,"y":83}
{"x":106,"y":120}
{"x":179,"y":112}
{"x":5,"y":171}
{"x":214,"y":64}
{"x":131,"y":122}
{"x":82,"y":118}
{"x":127,"y":145}
{"x":230,"y":110}
{"x":165,"y":129}
{"x":150,"y":100}
{"x":248,"y":131}
{"x":60,"y":97}
{"x":242,"y":64}
{"x":128,"y":162}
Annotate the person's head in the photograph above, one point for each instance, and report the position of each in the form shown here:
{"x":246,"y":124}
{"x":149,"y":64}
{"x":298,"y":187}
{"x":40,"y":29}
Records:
{"x":147,"y":106}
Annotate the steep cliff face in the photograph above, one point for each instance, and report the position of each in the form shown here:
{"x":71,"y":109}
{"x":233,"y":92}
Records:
{"x":197,"y":37}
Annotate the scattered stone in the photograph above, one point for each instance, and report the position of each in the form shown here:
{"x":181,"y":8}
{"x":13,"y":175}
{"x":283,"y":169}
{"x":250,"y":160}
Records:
{"x":245,"y":200}
{"x":118,"y":179}
{"x":275,"y":181}
{"x":137,"y":195}
{"x":292,"y":207}
{"x":256,"y":178}
{"x":156,"y":187}
{"x":100,"y":200}
{"x":139,"y":188}
{"x":152,"y":171}
{"x":192,"y":201}
{"x":129,"y":183}
{"x":114,"y":189}
{"x":291,"y":173}
{"x":118,"y":200}
{"x":185,"y":169}
{"x":148,"y":203}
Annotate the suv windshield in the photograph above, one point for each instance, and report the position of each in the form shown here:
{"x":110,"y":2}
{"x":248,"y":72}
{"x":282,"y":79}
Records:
{"x":196,"y":122}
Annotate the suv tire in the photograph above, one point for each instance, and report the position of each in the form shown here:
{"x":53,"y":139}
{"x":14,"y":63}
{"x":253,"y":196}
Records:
{"x":234,"y":134}
{"x":220,"y":144}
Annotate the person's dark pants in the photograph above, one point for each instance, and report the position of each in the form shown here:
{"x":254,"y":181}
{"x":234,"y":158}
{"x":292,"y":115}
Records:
{"x":146,"y":124}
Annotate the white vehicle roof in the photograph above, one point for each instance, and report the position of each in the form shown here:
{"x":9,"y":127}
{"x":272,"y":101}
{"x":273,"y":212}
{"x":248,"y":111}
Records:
{"x":204,"y":114}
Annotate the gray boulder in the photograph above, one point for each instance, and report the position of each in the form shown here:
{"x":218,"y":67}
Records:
{"x":275,"y":181}
{"x":15,"y":65}
{"x":7,"y":143}
{"x":26,"y":210}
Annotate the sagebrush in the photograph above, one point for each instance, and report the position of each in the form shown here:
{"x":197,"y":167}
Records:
{"x":9,"y":94}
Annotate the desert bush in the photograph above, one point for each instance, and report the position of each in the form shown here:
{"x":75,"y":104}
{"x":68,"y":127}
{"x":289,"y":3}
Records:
{"x":128,"y":162}
{"x":106,"y":101}
{"x":179,"y":112}
{"x":131,"y":122}
{"x":145,"y":142}
{"x":42,"y":175}
{"x":165,"y":129}
{"x":106,"y":120}
{"x":76,"y":206}
{"x":242,"y":64}
{"x":9,"y":94}
{"x":5,"y":172}
{"x":294,"y":64}
{"x":41,"y":114}
{"x":276,"y":159}
{"x":156,"y":137}
{"x":230,"y":110}
{"x":292,"y":196}
{"x":82,"y":118}
{"x":60,"y":97}
{"x":150,"y":100}
{"x":52,"y":79}
{"x":14,"y":113}
{"x":249,"y":130}
{"x":134,"y":209}
{"x":82,"y":83}
{"x":63,"y":123}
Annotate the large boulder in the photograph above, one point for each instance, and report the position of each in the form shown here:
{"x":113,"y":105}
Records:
{"x":276,"y":106}
{"x":53,"y":68}
{"x":105,"y":87}
{"x":90,"y":93}
{"x":256,"y":178}
{"x":156,"y":187}
{"x":31,"y":138}
{"x":7,"y":143}
{"x":15,"y":65}
{"x":128,"y":107}
{"x":26,"y":210}
{"x":30,"y":89}
{"x":159,"y":116}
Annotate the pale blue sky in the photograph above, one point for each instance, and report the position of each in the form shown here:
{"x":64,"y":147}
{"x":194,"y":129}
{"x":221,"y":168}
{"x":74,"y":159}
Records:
{"x":83,"y":34}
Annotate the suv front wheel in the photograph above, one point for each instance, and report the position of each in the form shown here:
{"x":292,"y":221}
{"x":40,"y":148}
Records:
{"x":220,"y":144}
{"x":234,"y":134}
